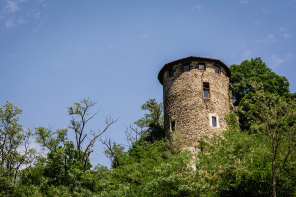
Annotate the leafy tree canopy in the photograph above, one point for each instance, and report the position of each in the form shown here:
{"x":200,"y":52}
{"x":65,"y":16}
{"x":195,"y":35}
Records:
{"x":13,"y":138}
{"x":151,"y":125}
{"x":155,"y":115}
{"x":256,"y":156}
{"x":244,"y":74}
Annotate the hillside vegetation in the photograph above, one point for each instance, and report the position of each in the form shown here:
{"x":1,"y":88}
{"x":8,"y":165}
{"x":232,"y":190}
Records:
{"x":255,"y":156}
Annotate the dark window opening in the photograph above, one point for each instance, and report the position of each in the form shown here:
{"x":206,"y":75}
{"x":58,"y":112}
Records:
{"x":186,"y":67}
{"x":201,"y":67}
{"x":173,"y":125}
{"x":217,"y":70}
{"x":206,"y":85}
{"x":206,"y":89}
{"x":214,"y":121}
{"x":171,"y":73}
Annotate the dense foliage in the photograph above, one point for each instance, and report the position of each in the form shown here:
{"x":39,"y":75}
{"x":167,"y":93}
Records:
{"x":248,"y":72}
{"x":255,"y":156}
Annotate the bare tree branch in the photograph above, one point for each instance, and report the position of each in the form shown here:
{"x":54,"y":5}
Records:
{"x":132,"y":134}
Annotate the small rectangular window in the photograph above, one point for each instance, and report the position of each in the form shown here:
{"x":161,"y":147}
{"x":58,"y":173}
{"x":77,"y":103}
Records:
{"x":206,"y":89}
{"x":173,"y":125}
{"x":206,"y":85}
{"x":217,"y":70}
{"x":186,"y":67}
{"x":171,"y":73}
{"x":206,"y":94}
{"x":214,"y":121}
{"x":201,"y":67}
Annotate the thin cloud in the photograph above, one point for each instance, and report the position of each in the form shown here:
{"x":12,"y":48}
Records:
{"x":21,"y":20}
{"x":18,"y":12}
{"x":11,"y":55}
{"x":145,"y":36}
{"x":58,"y":64}
{"x":282,"y":29}
{"x":196,"y":8}
{"x":289,"y":55}
{"x":243,"y":2}
{"x":37,"y":15}
{"x":277,"y":60}
{"x":285,"y":27}
{"x":12,"y":6}
{"x":9,"y":24}
{"x":267,"y":39}
{"x":257,"y":22}
{"x":246,"y":54}
{"x":285,"y":35}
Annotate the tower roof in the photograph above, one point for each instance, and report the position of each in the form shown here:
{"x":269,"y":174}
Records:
{"x":190,"y":58}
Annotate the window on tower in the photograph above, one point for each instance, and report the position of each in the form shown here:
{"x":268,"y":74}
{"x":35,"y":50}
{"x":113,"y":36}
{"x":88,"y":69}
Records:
{"x":171,"y":73}
{"x":214,"y":121}
{"x":186,"y":67}
{"x":206,"y":89}
{"x":217,"y":70}
{"x":173,"y":125}
{"x":201,"y":66}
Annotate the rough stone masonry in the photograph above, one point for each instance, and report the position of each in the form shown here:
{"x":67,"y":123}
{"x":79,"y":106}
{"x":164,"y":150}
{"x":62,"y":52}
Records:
{"x":196,"y":96}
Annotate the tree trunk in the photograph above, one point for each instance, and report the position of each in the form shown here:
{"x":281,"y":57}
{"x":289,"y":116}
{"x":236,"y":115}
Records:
{"x":273,"y":182}
{"x":273,"y":177}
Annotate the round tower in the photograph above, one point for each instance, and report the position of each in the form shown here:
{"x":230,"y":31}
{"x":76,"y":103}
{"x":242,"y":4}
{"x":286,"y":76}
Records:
{"x":196,"y":96}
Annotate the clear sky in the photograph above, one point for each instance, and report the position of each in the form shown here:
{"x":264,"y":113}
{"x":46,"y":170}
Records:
{"x":54,"y":53}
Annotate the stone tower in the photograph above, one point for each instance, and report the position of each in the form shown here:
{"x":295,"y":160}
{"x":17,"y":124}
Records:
{"x":196,"y":96}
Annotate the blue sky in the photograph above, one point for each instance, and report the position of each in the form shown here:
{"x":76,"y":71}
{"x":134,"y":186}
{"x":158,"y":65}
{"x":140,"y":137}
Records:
{"x":54,"y":53}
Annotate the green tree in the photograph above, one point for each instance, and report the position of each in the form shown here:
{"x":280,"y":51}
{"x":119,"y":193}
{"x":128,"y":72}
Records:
{"x":114,"y":152}
{"x":255,"y":71}
{"x":149,"y":128}
{"x":275,"y":118}
{"x":152,"y":170}
{"x":60,"y":167}
{"x":155,"y":115}
{"x":84,"y":140}
{"x":66,"y":168}
{"x":260,"y":162}
{"x":80,"y":116}
{"x":236,"y":163}
{"x":149,"y":168}
{"x":244,"y":74}
{"x":15,"y":152}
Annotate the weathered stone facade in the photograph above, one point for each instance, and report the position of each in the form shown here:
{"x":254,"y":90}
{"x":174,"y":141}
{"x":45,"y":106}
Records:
{"x":187,"y":110}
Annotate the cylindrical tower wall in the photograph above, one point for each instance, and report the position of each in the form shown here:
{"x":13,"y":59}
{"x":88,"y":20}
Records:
{"x":196,"y":100}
